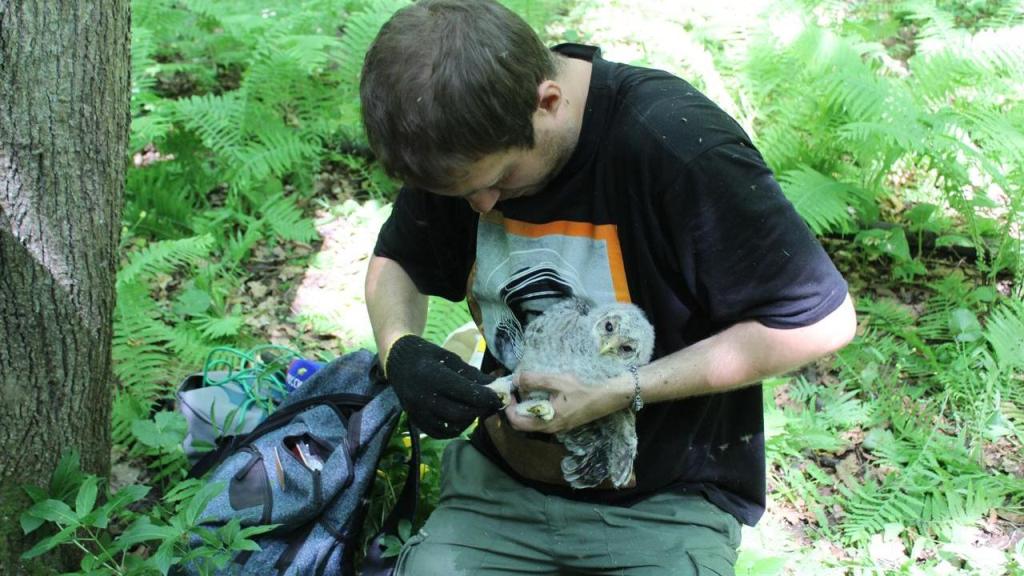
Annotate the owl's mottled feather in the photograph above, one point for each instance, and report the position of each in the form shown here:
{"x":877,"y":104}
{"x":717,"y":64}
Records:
{"x":594,"y":343}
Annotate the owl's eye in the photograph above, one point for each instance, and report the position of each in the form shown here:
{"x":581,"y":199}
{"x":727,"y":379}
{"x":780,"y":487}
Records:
{"x":608,"y":326}
{"x":626,"y":348}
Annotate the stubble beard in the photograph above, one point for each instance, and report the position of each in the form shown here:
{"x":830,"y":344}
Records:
{"x":557,"y":150}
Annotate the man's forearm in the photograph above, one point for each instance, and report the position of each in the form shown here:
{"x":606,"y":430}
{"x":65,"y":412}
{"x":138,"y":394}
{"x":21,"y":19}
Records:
{"x":738,"y":356}
{"x":395,"y":306}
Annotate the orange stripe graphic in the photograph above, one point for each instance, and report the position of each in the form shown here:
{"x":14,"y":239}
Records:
{"x":606,"y":232}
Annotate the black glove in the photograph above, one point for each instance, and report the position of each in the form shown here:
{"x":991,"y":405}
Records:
{"x":441,"y":393}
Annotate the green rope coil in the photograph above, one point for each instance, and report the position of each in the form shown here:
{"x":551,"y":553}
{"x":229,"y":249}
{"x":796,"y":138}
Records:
{"x":259,"y":372}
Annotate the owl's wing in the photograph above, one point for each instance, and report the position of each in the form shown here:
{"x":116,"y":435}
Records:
{"x":604,"y":448}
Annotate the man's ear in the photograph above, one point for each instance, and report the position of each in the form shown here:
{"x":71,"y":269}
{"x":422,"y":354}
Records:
{"x":549,"y":97}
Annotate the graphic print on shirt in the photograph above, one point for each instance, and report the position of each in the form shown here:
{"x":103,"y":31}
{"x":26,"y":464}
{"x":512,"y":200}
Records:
{"x":522,"y":268}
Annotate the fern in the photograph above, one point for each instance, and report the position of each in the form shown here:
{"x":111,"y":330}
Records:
{"x":823,"y":202}
{"x":149,"y":353}
{"x":163,"y":257}
{"x":287,"y":221}
{"x":443,"y":317}
{"x":217,"y":120}
{"x":214,"y":327}
{"x":140,"y":355}
{"x":1004,"y":331}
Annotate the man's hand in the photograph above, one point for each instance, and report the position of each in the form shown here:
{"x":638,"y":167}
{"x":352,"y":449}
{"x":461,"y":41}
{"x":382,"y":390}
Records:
{"x":575,"y":404}
{"x":441,"y":393}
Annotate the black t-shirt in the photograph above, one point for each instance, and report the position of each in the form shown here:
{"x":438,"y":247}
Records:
{"x":664,"y":203}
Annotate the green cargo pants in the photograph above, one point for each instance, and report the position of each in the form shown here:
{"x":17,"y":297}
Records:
{"x":488,"y":524}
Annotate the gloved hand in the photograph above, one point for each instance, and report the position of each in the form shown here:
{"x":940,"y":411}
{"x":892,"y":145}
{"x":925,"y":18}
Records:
{"x":441,"y":393}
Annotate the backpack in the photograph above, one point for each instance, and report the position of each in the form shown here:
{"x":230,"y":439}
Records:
{"x":309,"y":467}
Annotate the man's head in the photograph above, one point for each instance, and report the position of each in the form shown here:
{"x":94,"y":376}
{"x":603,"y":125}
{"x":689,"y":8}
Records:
{"x":451,"y":91}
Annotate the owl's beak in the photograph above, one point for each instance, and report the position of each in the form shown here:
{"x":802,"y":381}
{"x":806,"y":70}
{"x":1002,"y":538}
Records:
{"x":610,"y":346}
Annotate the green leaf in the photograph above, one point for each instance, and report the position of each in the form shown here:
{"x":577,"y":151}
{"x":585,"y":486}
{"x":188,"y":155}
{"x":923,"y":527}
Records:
{"x":67,"y":476}
{"x":256,"y":530}
{"x":986,"y":294}
{"x":392,"y":546}
{"x":30,"y":523}
{"x":192,"y":302}
{"x":54,"y":511}
{"x":47,"y":544}
{"x":892,"y":242}
{"x":953,"y":240}
{"x":36,"y":493}
{"x":964,"y":325}
{"x":246,"y":545}
{"x":919,"y":215}
{"x":165,"y":557}
{"x":86,"y":498}
{"x":100,"y":518}
{"x":128,"y":495}
{"x":166,"y":431}
{"x":219,"y":327}
{"x":143,"y":530}
{"x":896,"y":245}
{"x":199,"y":501}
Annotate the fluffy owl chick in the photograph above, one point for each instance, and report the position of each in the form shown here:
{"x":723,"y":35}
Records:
{"x":594,"y":343}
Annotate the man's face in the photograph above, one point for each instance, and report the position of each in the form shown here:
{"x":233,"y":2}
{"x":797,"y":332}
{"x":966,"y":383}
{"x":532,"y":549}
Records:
{"x":513,"y":173}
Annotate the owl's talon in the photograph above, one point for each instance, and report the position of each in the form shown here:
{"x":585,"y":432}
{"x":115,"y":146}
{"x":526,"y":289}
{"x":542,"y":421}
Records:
{"x":503,"y":388}
{"x":537,"y":408}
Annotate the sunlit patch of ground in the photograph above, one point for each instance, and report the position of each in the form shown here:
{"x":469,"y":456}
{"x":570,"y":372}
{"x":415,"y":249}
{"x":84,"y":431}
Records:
{"x":329,"y":301}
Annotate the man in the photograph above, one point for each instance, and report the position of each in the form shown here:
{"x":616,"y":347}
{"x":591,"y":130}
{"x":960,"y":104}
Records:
{"x":532,"y":175}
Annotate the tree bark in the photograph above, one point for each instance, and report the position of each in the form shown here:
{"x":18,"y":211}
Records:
{"x":64,"y":115}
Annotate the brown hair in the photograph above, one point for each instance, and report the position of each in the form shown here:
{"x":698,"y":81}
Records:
{"x":447,"y":82}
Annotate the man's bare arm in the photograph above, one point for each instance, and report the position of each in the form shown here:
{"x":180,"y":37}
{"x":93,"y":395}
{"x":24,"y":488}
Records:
{"x":395,"y":306}
{"x":736,"y":357}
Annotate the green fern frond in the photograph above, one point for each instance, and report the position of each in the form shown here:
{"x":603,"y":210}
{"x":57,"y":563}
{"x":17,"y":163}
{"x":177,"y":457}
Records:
{"x":443,"y":317}
{"x":934,"y":21}
{"x":996,"y":131}
{"x":1004,"y":332}
{"x":287,"y":221}
{"x":151,"y":127}
{"x":952,"y":292}
{"x":272,"y":153}
{"x":220,"y":327}
{"x":537,"y":13}
{"x":140,"y":356}
{"x":886,"y":313}
{"x":163,"y":257}
{"x":824,"y":203}
{"x":869,"y":508}
{"x":217,"y":120}
{"x":360,"y":30}
{"x":143,"y":65}
{"x":935,"y":76}
{"x":188,"y":343}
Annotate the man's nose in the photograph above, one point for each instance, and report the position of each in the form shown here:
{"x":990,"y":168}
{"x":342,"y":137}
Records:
{"x":483,"y":201}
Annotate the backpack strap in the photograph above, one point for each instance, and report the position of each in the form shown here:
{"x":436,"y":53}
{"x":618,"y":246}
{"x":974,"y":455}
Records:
{"x":374,"y":564}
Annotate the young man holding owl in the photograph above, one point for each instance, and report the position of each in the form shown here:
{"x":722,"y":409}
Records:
{"x":535,"y":175}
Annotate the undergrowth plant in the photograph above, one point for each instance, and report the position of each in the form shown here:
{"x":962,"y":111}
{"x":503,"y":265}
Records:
{"x":925,"y":392}
{"x":107,"y":531}
{"x":896,"y":102}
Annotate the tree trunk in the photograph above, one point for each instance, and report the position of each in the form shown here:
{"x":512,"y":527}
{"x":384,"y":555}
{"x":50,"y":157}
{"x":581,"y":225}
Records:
{"x":64,"y":96}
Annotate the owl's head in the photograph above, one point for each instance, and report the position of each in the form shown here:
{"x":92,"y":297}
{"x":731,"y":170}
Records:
{"x":623,"y":333}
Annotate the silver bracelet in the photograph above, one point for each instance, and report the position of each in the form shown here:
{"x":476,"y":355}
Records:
{"x":638,"y":402}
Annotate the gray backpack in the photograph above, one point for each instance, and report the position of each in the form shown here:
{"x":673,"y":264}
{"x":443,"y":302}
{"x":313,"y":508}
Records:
{"x":309,"y":467}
